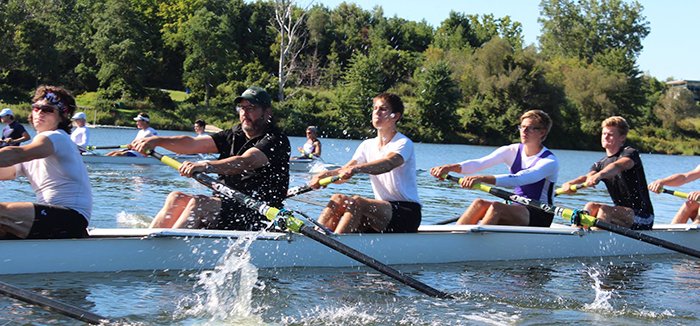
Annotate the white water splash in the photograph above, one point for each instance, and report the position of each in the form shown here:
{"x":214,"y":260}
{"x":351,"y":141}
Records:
{"x":602,"y":297}
{"x":344,"y":315}
{"x":129,"y":220}
{"x":228,"y":289}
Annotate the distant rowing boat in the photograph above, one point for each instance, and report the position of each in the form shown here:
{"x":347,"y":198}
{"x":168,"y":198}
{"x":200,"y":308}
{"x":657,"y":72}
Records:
{"x":111,"y":250}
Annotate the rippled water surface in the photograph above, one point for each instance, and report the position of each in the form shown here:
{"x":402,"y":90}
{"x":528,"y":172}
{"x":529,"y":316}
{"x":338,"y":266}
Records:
{"x":662,"y":290}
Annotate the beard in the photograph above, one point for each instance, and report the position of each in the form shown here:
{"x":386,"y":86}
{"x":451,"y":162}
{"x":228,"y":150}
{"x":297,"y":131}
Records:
{"x":255,"y":126}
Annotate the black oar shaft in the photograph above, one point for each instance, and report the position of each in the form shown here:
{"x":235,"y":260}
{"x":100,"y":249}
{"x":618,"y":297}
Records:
{"x":92,"y":148}
{"x":676,"y":193}
{"x":586,"y":220}
{"x":50,"y":304}
{"x":295,"y":224}
{"x":371,"y":262}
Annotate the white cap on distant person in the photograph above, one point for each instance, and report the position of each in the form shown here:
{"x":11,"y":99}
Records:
{"x":142,"y":116}
{"x":6,"y":111}
{"x":79,"y":115}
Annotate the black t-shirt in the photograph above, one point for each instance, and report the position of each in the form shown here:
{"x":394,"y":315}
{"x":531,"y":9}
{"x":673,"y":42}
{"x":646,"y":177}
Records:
{"x":268,"y":183}
{"x":14,"y":130}
{"x":629,"y":188}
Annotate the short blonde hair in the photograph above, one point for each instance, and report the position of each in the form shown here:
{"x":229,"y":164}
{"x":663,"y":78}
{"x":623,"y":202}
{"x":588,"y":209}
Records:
{"x":541,"y":117}
{"x":617,"y":121}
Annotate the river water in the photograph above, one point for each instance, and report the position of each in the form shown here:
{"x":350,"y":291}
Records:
{"x":663,"y":289}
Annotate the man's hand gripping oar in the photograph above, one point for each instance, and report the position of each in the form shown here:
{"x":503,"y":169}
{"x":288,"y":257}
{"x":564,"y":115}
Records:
{"x":577,"y":217}
{"x":285,"y":219}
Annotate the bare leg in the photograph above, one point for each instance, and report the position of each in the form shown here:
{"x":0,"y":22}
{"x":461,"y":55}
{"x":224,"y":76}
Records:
{"x":363,"y":213}
{"x":475,"y":212}
{"x":336,"y":207}
{"x":688,"y":211}
{"x":618,"y":215}
{"x":199,"y":211}
{"x":174,"y":205}
{"x":17,"y":218}
{"x":503,"y":214}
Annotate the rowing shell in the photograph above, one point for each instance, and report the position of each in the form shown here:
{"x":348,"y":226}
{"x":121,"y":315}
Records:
{"x":111,"y":250}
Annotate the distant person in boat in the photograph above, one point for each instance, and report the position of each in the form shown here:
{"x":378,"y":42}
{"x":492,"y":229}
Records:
{"x":312,"y":147}
{"x":14,"y":133}
{"x":690,"y":210}
{"x":199,"y":127}
{"x":623,"y":174}
{"x":254,"y":159}
{"x":81,"y":134}
{"x":533,"y":174}
{"x":52,"y":164}
{"x":390,"y":160}
{"x":142,"y":122}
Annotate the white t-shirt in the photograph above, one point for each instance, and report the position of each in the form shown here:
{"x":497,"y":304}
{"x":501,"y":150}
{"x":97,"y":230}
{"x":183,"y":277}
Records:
{"x":80,"y":136}
{"x":398,"y":184}
{"x":61,"y":178}
{"x":148,"y":132}
{"x":143,"y":133}
{"x":546,"y":168}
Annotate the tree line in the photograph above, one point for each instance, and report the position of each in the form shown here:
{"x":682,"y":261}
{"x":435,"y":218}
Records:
{"x":465,"y":81}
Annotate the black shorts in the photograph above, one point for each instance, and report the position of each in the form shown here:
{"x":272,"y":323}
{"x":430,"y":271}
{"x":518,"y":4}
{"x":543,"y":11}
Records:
{"x":234,"y":216}
{"x":405,"y":217}
{"x":57,"y":222}
{"x":539,"y":217}
{"x":642,"y":221}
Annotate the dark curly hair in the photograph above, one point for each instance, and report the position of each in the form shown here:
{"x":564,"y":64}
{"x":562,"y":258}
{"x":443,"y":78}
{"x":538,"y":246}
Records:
{"x":63,"y":98}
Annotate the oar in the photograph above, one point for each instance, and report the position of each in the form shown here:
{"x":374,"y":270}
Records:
{"x":448,"y":221}
{"x":92,"y":148}
{"x":572,"y":187}
{"x":300,"y":189}
{"x":50,"y":304}
{"x":675,"y":193}
{"x":580,"y":218}
{"x":285,"y":219}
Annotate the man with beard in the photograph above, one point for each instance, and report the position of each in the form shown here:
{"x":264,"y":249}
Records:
{"x":254,"y":159}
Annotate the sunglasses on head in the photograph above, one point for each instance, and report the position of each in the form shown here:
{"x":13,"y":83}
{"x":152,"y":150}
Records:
{"x":44,"y":108}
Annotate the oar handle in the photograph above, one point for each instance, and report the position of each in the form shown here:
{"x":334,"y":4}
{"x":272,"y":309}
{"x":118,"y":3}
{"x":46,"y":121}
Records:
{"x":301,"y":189}
{"x":583,"y":219}
{"x":305,"y":154}
{"x":675,"y":193}
{"x":572,"y":188}
{"x":92,"y":148}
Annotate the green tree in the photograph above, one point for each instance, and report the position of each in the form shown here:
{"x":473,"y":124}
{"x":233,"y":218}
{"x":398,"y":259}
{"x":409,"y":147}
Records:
{"x":675,"y":105}
{"x":121,"y":50}
{"x":586,"y":28}
{"x":437,"y":102}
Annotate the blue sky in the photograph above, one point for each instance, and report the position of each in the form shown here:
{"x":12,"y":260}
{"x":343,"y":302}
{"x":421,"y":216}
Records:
{"x":671,"y":49}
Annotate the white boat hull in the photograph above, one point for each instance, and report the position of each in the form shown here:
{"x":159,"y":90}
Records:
{"x":110,"y":250}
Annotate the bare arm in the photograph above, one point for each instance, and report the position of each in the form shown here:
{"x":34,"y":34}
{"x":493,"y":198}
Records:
{"x":251,"y":159}
{"x":9,"y":156}
{"x":178,"y":144}
{"x":675,"y":180}
{"x":613,"y":169}
{"x":317,"y":149}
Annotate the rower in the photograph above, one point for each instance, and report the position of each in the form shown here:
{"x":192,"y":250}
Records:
{"x":142,"y":122}
{"x":254,"y":159}
{"x":690,"y":210}
{"x":390,"y":160}
{"x":14,"y":133}
{"x":533,"y":173}
{"x":81,"y":134}
{"x":312,"y":146}
{"x":623,"y":174}
{"x":55,"y":170}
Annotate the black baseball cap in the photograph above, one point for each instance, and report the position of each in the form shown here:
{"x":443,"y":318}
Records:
{"x":255,"y":95}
